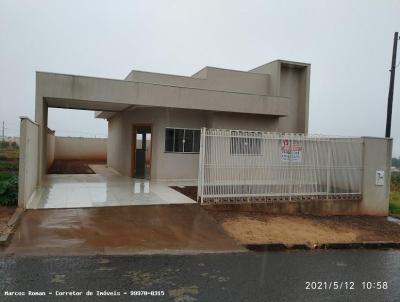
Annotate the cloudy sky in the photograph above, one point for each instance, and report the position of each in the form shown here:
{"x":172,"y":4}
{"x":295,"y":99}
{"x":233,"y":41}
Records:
{"x":348,"y":43}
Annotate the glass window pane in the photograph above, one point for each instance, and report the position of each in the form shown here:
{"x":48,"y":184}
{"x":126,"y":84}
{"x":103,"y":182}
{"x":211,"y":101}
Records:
{"x":169,"y":140}
{"x":245,"y":145}
{"x":139,"y":141}
{"x":196,"y":143}
{"x":188,"y":146}
{"x":179,"y":136}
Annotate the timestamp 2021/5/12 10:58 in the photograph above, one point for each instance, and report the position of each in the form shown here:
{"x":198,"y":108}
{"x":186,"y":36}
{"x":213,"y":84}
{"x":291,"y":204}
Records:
{"x":346,"y":285}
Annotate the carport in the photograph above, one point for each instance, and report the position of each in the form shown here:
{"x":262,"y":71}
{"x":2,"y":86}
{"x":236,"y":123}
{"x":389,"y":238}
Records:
{"x":108,"y":97}
{"x":37,"y":189}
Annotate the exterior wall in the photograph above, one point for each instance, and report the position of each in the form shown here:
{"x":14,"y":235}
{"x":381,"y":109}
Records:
{"x":167,"y":165}
{"x":28,"y":161}
{"x":290,"y":80}
{"x":290,"y":87}
{"x":225,"y":120}
{"x":164,"y":165}
{"x":50,"y":150}
{"x":80,"y":148}
{"x":377,"y":157}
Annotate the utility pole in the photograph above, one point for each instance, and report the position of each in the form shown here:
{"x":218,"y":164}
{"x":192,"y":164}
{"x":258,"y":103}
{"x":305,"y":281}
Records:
{"x":391,"y":86}
{"x":3,"y":133}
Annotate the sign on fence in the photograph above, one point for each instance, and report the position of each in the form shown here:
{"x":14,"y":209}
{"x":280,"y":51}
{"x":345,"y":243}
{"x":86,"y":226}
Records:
{"x":291,"y":150}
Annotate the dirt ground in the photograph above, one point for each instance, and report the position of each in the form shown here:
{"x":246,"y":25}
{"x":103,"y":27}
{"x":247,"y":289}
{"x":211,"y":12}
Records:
{"x":188,"y":191}
{"x":5,"y":215}
{"x":72,"y":167}
{"x":258,"y":228}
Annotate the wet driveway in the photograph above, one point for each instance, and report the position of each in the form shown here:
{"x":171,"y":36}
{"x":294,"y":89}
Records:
{"x":119,"y":230}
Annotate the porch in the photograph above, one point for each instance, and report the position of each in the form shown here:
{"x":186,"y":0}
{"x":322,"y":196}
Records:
{"x":104,"y":188}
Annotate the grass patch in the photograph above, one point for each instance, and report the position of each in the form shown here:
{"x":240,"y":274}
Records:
{"x":395,"y":182}
{"x":394,"y":199}
{"x":8,"y":176}
{"x":8,"y":166}
{"x":394,"y":204}
{"x":8,"y":189}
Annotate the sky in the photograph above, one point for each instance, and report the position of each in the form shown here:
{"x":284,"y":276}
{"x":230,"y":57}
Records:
{"x":348,"y":43}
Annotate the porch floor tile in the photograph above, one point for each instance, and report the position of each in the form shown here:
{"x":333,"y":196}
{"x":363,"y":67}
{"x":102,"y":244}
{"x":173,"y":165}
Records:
{"x":105,"y":188}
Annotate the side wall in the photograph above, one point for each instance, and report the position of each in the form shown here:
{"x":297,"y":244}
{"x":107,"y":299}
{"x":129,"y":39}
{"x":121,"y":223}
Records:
{"x":28,"y":159}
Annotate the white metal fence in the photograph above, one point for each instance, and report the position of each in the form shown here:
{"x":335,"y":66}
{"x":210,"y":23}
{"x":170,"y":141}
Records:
{"x":237,"y":165}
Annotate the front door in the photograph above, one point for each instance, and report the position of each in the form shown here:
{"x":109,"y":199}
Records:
{"x":141,"y":153}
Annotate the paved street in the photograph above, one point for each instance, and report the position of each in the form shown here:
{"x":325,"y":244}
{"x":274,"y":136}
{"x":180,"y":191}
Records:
{"x":272,"y":276}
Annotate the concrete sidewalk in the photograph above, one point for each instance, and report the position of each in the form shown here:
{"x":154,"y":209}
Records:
{"x":119,"y":231}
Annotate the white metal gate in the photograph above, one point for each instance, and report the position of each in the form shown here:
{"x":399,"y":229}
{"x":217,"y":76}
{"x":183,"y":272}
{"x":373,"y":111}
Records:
{"x":237,"y":165}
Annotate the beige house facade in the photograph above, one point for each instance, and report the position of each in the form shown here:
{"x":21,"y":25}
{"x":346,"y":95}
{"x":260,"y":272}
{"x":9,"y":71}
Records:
{"x":272,"y":97}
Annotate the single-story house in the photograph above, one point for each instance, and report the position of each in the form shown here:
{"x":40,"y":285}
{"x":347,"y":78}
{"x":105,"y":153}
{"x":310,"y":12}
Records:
{"x":158,"y":123}
{"x":171,"y":110}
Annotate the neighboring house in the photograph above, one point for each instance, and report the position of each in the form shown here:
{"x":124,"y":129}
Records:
{"x":394,"y":169}
{"x":272,"y":97}
{"x":11,"y":139}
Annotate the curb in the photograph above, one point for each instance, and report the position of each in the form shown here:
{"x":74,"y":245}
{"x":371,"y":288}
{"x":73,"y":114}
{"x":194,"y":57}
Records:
{"x":323,"y":246}
{"x":12,"y":223}
{"x":360,"y":245}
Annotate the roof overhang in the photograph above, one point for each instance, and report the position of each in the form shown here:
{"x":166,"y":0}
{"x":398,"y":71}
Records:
{"x":99,"y":94}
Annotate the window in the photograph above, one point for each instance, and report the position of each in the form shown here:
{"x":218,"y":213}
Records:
{"x":169,"y":139}
{"x":242,"y":144}
{"x":182,"y":140}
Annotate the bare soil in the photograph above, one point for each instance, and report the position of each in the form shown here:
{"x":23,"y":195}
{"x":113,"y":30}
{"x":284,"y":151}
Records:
{"x":188,"y":191}
{"x":259,"y":228}
{"x":5,"y":215}
{"x":72,"y":167}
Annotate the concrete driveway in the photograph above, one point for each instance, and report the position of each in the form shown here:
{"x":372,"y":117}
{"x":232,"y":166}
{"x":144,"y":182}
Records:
{"x":119,"y":231}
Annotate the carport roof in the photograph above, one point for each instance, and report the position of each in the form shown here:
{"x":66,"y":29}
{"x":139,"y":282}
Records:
{"x":101,"y":94}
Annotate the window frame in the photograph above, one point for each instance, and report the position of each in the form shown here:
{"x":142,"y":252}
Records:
{"x":184,"y":133}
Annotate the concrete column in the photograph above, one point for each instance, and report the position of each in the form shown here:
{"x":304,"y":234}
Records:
{"x":376,"y":159}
